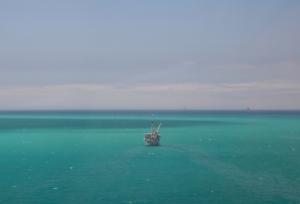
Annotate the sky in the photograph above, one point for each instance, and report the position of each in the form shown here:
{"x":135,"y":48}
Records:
{"x":154,"y":54}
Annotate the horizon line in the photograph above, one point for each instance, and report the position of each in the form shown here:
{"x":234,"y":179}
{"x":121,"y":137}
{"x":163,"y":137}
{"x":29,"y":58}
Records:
{"x":119,"y":109}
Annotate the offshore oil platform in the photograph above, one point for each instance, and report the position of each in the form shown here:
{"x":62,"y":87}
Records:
{"x":152,"y":138}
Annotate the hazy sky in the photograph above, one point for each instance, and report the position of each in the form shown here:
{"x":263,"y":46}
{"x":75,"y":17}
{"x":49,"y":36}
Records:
{"x":93,"y":54}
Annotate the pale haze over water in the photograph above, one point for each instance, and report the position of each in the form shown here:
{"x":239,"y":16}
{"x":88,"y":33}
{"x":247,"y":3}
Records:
{"x":156,"y":54}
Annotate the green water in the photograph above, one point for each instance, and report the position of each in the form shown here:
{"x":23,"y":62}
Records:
{"x":100,"y":157}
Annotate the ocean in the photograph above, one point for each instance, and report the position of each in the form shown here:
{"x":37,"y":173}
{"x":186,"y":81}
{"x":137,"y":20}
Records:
{"x":100,"y":157}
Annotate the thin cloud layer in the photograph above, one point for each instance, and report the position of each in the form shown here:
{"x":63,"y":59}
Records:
{"x":258,"y":95}
{"x":149,"y":54}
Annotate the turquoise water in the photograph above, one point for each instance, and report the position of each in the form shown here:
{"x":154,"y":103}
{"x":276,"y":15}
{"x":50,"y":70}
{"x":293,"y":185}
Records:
{"x":100,"y":157}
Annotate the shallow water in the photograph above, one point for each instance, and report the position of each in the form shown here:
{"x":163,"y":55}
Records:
{"x":100,"y":157}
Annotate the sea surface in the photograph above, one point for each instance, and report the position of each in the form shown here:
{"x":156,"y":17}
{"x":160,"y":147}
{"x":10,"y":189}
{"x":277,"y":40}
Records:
{"x":100,"y":157}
